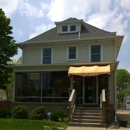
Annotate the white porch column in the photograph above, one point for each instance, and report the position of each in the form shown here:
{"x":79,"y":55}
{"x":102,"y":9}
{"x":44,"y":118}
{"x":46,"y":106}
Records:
{"x":115,"y":96}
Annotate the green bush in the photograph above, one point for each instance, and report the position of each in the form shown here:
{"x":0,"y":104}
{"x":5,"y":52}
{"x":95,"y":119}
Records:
{"x":5,"y":112}
{"x":57,"y":114}
{"x":37,"y":113}
{"x":20,"y":112}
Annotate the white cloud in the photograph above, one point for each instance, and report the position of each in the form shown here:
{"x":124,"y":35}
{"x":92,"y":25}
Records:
{"x":9,"y":6}
{"x":29,"y":10}
{"x":26,"y":9}
{"x":62,"y":9}
{"x":125,"y":4}
{"x":40,"y":29}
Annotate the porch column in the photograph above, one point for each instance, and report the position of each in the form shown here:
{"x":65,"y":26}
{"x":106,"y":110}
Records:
{"x":115,"y":96}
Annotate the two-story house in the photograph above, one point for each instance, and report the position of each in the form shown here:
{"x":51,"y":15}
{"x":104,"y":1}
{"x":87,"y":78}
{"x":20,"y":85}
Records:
{"x":72,"y":55}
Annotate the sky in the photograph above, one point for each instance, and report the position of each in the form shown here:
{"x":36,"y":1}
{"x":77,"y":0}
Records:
{"x":30,"y":18}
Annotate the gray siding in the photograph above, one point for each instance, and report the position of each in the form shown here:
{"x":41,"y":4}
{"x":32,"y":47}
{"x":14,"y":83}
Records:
{"x":33,"y":56}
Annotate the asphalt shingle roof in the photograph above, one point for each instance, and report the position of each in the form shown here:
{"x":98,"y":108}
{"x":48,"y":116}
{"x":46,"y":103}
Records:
{"x":87,"y":31}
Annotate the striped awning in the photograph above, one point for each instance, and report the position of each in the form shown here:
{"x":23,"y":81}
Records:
{"x":89,"y":70}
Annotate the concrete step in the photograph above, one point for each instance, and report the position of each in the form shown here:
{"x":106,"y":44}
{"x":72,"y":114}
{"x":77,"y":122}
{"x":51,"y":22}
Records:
{"x":81,"y":124}
{"x":86,"y":117}
{"x":90,"y":111}
{"x":87,"y":120}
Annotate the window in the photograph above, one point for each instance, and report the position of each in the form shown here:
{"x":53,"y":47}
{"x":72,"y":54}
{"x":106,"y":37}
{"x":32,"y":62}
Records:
{"x":72,"y":53}
{"x":96,"y":53}
{"x":73,"y":28}
{"x":64,"y":28}
{"x":47,"y":53}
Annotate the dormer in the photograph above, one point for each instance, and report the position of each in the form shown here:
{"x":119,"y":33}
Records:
{"x":71,"y":25}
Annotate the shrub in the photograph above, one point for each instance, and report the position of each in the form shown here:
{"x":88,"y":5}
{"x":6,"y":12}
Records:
{"x":37,"y":113}
{"x":5,"y":112}
{"x":57,"y":114}
{"x":20,"y":112}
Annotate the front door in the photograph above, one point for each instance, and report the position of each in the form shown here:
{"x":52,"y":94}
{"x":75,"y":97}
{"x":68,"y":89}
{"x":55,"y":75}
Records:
{"x":90,"y":90}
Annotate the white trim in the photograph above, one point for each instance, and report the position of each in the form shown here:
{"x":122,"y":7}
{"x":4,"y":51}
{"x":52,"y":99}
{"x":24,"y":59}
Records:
{"x":68,"y":53}
{"x":83,"y":89}
{"x":115,"y":96}
{"x":115,"y":51}
{"x":97,"y":89}
{"x":68,"y":28}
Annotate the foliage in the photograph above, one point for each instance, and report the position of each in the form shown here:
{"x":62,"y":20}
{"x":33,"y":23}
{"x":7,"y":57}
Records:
{"x":65,"y":119}
{"x":123,"y":93}
{"x":123,"y":79}
{"x":20,"y":112}
{"x":37,"y":113}
{"x":7,"y":49}
{"x":9,"y":87}
{"x":5,"y":112}
{"x":20,"y":124}
{"x":57,"y":114}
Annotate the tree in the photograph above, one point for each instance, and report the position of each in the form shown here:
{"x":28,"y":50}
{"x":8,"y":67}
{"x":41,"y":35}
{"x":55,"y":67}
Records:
{"x":123,"y":79}
{"x":7,"y":49}
{"x":9,"y":87}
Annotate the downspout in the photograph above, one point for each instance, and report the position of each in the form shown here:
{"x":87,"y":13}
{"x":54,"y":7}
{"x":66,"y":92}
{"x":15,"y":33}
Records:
{"x":115,"y":97}
{"x":115,"y":86}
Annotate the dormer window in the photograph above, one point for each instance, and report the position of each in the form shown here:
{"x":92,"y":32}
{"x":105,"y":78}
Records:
{"x":73,"y":28}
{"x":64,"y":28}
{"x":69,"y":28}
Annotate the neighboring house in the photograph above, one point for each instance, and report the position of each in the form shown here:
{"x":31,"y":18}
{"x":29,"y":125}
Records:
{"x":47,"y":58}
{"x":125,"y":102}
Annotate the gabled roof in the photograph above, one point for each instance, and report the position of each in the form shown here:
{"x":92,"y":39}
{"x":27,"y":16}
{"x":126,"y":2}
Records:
{"x":87,"y":32}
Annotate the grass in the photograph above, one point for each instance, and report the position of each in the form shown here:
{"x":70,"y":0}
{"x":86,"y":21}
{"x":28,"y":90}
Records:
{"x":26,"y":124}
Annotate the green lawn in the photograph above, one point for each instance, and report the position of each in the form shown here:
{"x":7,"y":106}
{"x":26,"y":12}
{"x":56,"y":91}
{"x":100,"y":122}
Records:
{"x":25,"y":124}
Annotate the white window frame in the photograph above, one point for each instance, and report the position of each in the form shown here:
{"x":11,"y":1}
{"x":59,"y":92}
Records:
{"x":68,"y":53}
{"x":101,"y":52}
{"x":51,"y":54}
{"x":68,"y":30}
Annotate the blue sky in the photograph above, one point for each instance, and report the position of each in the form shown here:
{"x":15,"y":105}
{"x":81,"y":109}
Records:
{"x":32,"y":17}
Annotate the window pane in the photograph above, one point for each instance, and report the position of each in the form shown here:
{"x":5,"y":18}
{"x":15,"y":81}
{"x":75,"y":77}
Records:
{"x":55,"y":84}
{"x":73,"y":28}
{"x":72,"y":56}
{"x":95,"y":49}
{"x":28,"y":86}
{"x":47,"y":52}
{"x":46,"y":60}
{"x":95,"y":58}
{"x":72,"y":49}
{"x":64,"y":28}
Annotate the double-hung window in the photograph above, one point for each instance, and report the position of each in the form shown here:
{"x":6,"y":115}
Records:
{"x":47,"y":55}
{"x":65,"y":28}
{"x":72,"y":53}
{"x":95,"y":53}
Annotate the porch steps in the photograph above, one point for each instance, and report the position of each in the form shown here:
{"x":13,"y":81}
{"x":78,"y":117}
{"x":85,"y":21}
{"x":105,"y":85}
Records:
{"x":87,"y":116}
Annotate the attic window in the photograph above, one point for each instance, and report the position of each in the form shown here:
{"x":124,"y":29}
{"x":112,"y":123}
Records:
{"x":73,"y":28}
{"x":64,"y":28}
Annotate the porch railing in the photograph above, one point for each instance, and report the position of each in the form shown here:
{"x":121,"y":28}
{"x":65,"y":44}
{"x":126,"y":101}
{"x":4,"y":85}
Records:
{"x":71,"y":106}
{"x":102,"y":106}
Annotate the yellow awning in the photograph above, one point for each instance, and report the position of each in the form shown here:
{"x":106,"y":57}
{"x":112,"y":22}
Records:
{"x":89,"y":70}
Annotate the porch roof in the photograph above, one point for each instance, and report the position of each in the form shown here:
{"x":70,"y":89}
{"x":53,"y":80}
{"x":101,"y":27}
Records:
{"x":89,"y":70}
{"x":57,"y":67}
